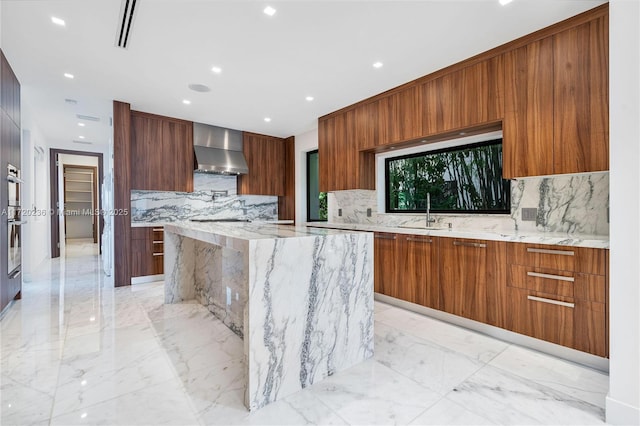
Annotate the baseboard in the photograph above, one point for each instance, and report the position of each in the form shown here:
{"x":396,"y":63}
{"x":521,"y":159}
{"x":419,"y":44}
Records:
{"x":583,"y":358}
{"x":146,"y":279}
{"x":620,"y":413}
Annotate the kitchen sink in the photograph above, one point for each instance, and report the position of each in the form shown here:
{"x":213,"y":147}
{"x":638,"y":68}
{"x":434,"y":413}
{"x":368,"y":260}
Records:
{"x":425,"y":228}
{"x":230,"y":219}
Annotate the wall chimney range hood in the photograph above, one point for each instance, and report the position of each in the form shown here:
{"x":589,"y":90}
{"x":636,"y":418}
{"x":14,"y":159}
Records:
{"x":218,"y":150}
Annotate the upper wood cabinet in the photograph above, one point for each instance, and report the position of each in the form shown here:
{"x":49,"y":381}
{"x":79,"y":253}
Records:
{"x":581,"y":98}
{"x":161,"y":153}
{"x":463,"y":98}
{"x":557,"y":103}
{"x":266,"y":157}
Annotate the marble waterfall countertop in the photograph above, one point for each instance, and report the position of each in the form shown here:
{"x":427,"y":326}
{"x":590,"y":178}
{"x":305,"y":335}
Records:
{"x":137,"y":224}
{"x":562,"y":239}
{"x":300,"y":297}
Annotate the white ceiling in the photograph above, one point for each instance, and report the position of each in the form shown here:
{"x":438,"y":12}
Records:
{"x":323,"y":49}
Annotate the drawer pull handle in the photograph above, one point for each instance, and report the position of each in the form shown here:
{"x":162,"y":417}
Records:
{"x":463,"y":244}
{"x":551,"y":301}
{"x":158,"y":254}
{"x":158,"y":242}
{"x":385,"y":237}
{"x":550,"y":276}
{"x":420,"y":240}
{"x":546,"y":251}
{"x":158,"y":229}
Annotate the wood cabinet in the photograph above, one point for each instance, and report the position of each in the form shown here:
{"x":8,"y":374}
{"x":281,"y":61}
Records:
{"x":266,"y":158}
{"x":418,"y":279}
{"x":10,"y":126}
{"x":161,"y":152}
{"x":147,"y":251}
{"x":384,"y":270}
{"x":558,"y":294}
{"x":557,"y":103}
{"x":472,"y":279}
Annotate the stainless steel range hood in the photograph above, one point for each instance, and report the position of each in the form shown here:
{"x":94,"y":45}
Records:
{"x":218,"y":150}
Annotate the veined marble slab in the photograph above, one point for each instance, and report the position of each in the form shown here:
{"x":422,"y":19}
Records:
{"x":302,"y":298}
{"x":562,"y":239}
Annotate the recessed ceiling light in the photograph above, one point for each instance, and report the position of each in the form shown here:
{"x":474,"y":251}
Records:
{"x":81,"y":124}
{"x":66,"y":74}
{"x":199,"y":88}
{"x":309,"y":98}
{"x":267,"y":119}
{"x":81,"y":137}
{"x":378,"y":64}
{"x":186,"y":101}
{"x":505,"y":2}
{"x":216,"y":70}
{"x":269,"y":11}
{"x":58,"y":21}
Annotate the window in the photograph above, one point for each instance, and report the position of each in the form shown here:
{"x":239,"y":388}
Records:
{"x":316,"y":200}
{"x":462,"y":179}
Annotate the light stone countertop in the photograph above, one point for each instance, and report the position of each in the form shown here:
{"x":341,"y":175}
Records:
{"x":151,"y":224}
{"x":562,"y":239}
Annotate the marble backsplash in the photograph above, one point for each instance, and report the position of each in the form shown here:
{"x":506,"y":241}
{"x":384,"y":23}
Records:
{"x":576,"y":204}
{"x":160,"y":206}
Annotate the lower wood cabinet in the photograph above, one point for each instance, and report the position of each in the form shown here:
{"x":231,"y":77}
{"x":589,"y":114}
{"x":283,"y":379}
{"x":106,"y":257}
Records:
{"x":384,"y":271}
{"x":147,"y":251}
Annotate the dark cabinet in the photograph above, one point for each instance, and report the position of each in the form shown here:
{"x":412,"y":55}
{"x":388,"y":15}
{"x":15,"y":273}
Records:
{"x":267,"y":160}
{"x":384,"y":271}
{"x":161,"y":153}
{"x":147,"y":251}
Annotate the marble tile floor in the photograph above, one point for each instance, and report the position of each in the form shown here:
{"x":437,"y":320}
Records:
{"x":75,"y":247}
{"x":76,"y":350}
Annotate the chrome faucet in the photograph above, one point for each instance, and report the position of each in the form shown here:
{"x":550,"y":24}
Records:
{"x":430,"y":220}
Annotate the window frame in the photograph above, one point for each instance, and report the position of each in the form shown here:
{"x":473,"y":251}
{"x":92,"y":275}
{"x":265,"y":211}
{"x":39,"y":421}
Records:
{"x":308,"y":155}
{"x":387,"y":160}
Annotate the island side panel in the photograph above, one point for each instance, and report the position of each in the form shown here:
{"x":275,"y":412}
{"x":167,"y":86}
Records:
{"x":310,"y":312}
{"x":179,"y":267}
{"x":221,"y":277}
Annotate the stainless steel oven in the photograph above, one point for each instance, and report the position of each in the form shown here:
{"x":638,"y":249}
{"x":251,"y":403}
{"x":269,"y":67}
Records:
{"x":14,"y":222}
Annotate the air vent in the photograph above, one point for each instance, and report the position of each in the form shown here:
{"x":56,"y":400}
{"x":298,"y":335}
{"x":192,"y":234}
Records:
{"x":87,"y":117}
{"x":83,"y":142}
{"x":127,"y":10}
{"x":71,"y":101}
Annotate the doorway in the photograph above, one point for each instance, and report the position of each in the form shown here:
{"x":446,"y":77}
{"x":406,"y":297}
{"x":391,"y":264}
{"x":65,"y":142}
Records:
{"x":76,"y":200}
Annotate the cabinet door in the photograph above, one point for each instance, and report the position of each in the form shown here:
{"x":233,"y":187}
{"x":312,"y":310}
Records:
{"x":463,"y":278}
{"x":529,"y":111}
{"x":418,"y":278}
{"x":401,"y":116}
{"x":385,"y":260}
{"x":177,"y":152}
{"x":366,"y":125}
{"x":142,"y":262}
{"x":146,"y":152}
{"x":581,"y":98}
{"x":265,"y":157}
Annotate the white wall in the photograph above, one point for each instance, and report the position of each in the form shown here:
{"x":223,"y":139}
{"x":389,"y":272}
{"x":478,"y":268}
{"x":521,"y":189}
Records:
{"x":304,"y":143}
{"x":623,"y":401}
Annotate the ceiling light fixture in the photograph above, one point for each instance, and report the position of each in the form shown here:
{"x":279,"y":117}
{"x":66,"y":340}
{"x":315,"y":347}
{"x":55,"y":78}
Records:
{"x":81,"y":137}
{"x":201,"y":88}
{"x":58,"y":21}
{"x":71,"y":76}
{"x":269,"y":11}
{"x":309,"y":98}
{"x":267,"y":119}
{"x":186,"y":101}
{"x":505,"y":2}
{"x":378,"y":64}
{"x":81,"y":124}
{"x":216,"y":70}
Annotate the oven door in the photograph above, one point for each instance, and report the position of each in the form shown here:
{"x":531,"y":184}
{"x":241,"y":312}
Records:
{"x":14,"y":243}
{"x":13,"y":183}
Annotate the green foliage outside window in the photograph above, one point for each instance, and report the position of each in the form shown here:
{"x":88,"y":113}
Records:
{"x":461,"y":179}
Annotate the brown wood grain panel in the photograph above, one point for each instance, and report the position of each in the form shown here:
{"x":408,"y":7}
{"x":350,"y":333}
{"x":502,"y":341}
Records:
{"x":325,"y":154}
{"x":517,"y":277}
{"x":545,"y":321}
{"x":561,"y":258}
{"x":463,"y":278}
{"x":366,"y":125}
{"x":581,"y":98}
{"x":122,"y":192}
{"x":591,"y":287}
{"x":418,"y":280}
{"x":287,"y":202}
{"x":265,"y":157}
{"x":496,"y":283}
{"x":529,"y":111}
{"x":146,"y":148}
{"x":590,"y":328}
{"x":177,"y":152}
{"x":385,"y":261}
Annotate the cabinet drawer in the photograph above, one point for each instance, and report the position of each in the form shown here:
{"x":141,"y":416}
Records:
{"x":561,"y":258}
{"x":549,"y":281}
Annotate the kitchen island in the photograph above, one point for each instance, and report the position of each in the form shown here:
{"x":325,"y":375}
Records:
{"x":301,"y":298}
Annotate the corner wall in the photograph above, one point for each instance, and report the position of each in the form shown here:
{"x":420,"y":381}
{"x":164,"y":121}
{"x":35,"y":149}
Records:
{"x":304,"y":143}
{"x":623,"y":400}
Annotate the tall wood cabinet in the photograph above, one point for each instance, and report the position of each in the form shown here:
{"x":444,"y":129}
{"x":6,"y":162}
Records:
{"x":162,"y":151}
{"x":10,"y":129}
{"x":267,"y":160}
